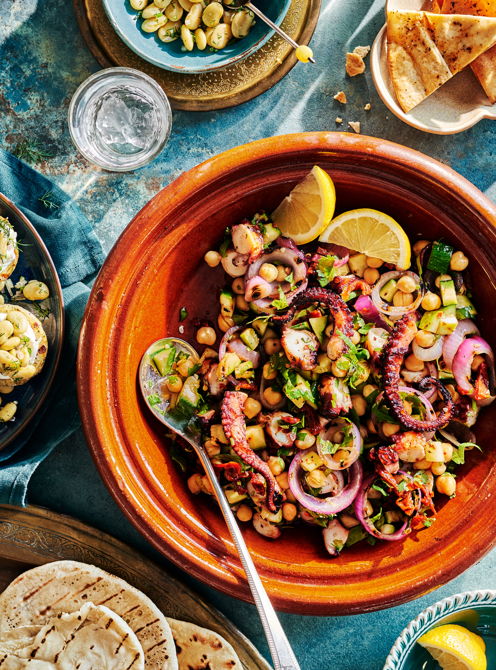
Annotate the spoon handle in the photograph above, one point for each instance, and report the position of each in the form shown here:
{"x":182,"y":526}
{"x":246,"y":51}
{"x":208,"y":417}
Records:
{"x":270,"y":23}
{"x":282,"y":654}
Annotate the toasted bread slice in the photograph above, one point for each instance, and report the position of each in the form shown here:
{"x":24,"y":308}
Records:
{"x":426,"y":49}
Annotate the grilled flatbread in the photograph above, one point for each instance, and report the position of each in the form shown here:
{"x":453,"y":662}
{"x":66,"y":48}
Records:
{"x":92,"y":637}
{"x":202,"y":649}
{"x":34,"y":597}
{"x":484,"y":66}
{"x":424,"y":50}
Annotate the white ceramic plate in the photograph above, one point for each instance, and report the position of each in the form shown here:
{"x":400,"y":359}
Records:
{"x":457,"y":105}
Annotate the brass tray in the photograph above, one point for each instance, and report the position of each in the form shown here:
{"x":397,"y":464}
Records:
{"x":228,"y":87}
{"x":31,"y":536}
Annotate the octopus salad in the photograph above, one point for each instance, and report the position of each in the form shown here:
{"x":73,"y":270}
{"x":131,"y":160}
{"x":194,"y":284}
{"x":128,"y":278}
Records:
{"x":334,"y":389}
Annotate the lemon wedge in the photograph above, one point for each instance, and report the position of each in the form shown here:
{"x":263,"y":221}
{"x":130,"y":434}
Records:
{"x":307,"y":210}
{"x":372,"y":233}
{"x":455,"y":648}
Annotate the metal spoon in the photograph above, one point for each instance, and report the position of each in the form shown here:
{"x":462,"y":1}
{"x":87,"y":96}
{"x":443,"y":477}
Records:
{"x":261,"y":15}
{"x":150,"y":383}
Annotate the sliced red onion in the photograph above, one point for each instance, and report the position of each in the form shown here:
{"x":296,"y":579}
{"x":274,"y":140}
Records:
{"x":257,"y":288}
{"x":235,"y":264}
{"x":283,"y":437}
{"x":369,"y":312}
{"x":432,"y":371}
{"x":453,"y":341}
{"x":287,"y":243}
{"x":225,"y":339}
{"x":354,"y":452}
{"x":390,"y":310}
{"x":340,"y":262}
{"x":331,"y":504}
{"x":359,"y":506}
{"x":245,"y":353}
{"x":335,"y":536}
{"x":334,"y":483}
{"x":432,"y":353}
{"x":462,"y":363}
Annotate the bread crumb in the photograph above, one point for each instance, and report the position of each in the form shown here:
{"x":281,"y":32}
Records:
{"x":355,"y":125}
{"x":341,"y":97}
{"x":338,"y":119}
{"x":368,"y":107}
{"x":354,"y":64}
{"x":361,"y":51}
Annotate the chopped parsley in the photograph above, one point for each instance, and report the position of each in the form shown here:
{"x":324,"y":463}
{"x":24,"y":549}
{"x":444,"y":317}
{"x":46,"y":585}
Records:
{"x":352,"y":361}
{"x":183,"y":314}
{"x":282,"y":302}
{"x":326,"y":270}
{"x":376,"y":487}
{"x":225,"y":243}
{"x":459,"y":452}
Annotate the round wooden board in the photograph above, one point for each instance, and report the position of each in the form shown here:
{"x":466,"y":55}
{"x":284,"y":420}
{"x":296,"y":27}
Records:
{"x":228,"y":87}
{"x":31,"y":536}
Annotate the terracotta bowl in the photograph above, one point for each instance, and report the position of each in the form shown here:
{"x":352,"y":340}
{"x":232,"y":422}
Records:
{"x":156,"y":268}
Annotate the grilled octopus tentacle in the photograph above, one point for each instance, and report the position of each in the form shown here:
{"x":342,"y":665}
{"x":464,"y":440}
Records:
{"x":392,"y":359}
{"x":343,"y":319}
{"x":345,"y":285}
{"x":234,"y":425}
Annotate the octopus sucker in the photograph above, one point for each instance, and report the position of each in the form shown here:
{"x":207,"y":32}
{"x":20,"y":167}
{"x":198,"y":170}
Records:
{"x":233,"y":422}
{"x":392,"y":359}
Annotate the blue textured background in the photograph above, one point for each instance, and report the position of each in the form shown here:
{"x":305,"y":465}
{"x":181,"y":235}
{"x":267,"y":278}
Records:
{"x":43,"y":59}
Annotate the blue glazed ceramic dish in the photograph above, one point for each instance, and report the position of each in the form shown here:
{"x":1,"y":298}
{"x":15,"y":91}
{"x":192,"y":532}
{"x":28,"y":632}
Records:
{"x":476,"y":610}
{"x":125,"y":21}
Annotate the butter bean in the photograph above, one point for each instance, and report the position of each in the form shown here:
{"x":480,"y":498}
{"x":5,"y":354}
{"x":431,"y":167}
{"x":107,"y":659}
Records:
{"x":11,"y":343}
{"x":36,"y":290}
{"x":188,"y":41}
{"x":194,"y":17}
{"x":174,"y":11}
{"x":213,"y":14}
{"x":24,"y":373}
{"x":19,"y":322}
{"x":242,"y":23}
{"x":7,"y":412}
{"x":220,"y":36}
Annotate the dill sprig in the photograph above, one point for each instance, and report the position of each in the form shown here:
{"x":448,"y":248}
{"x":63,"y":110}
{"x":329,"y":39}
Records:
{"x":48,"y":200}
{"x":31,"y":151}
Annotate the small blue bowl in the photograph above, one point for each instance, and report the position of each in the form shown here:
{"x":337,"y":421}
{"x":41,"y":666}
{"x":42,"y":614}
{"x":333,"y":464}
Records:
{"x":125,"y":21}
{"x":476,"y":610}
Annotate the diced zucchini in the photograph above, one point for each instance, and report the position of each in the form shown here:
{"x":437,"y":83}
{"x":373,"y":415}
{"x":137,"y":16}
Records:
{"x":358,"y":264}
{"x":189,"y":397}
{"x":228,"y":364}
{"x":388,"y":290}
{"x":270,"y":234}
{"x":318,"y":325}
{"x":430,"y":321}
{"x":260,"y":325}
{"x":448,"y":321}
{"x":226,"y":302}
{"x":440,"y":257}
{"x":273,"y":517}
{"x":233,"y":496}
{"x":250,"y":338}
{"x":342,"y":270}
{"x":311,"y":461}
{"x":244,"y":371}
{"x":255,"y":437}
{"x":324,"y":364}
{"x":448,"y":292}
{"x":217,"y":433}
{"x":464,"y":308}
{"x":164,"y":360}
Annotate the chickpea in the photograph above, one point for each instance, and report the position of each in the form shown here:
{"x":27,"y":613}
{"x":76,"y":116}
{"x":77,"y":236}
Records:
{"x":272,"y":396}
{"x":425,"y":339}
{"x":184,"y":366}
{"x":406,"y":284}
{"x":431,"y":301}
{"x":422,"y":465}
{"x":447,"y":452}
{"x":238,"y":286}
{"x":459,"y":261}
{"x":446,"y":484}
{"x":174,"y":11}
{"x":304,"y":440}
{"x":476,"y":361}
{"x":206,"y":486}
{"x":206,"y":335}
{"x":276,"y":465}
{"x":441,"y":278}
{"x":438,"y":468}
{"x":200,"y":39}
{"x":316,"y":479}
{"x":413,"y":363}
{"x":283,"y":480}
{"x":388,"y":529}
{"x":269,"y":272}
{"x":282,"y":273}
{"x":252,"y":408}
{"x":241,"y":303}
{"x":268,"y":371}
{"x":212,"y":14}
{"x":336,"y":370}
{"x":194,"y":483}
{"x":220,"y":36}
{"x":289,"y":511}
{"x":418,"y":246}
{"x":212,"y":258}
{"x":138,"y":5}
{"x":174,"y":384}
{"x":225,"y":322}
{"x":272,"y":346}
{"x":194,"y":17}
{"x":401,"y":299}
{"x":368,"y":389}
{"x":244,"y":513}
{"x":374,"y":262}
{"x":371,"y":275}
{"x":359,"y":404}
{"x":212,"y":448}
{"x":390,"y":429}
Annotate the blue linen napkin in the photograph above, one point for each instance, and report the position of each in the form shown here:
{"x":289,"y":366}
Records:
{"x":77,"y":255}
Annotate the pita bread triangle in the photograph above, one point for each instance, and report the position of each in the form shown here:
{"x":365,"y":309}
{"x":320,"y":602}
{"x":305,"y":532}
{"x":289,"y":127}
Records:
{"x":424,"y":50}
